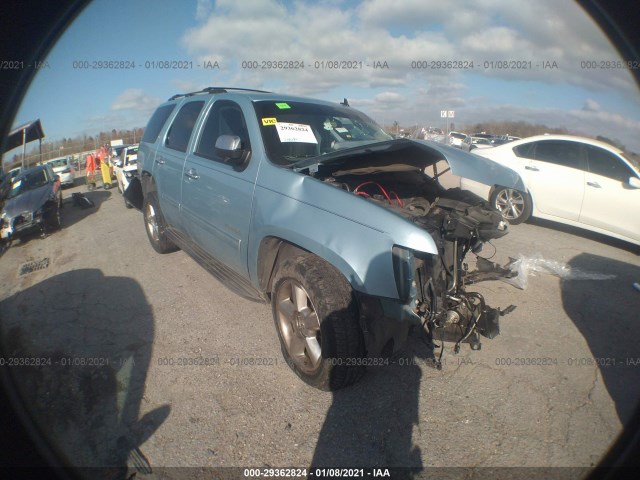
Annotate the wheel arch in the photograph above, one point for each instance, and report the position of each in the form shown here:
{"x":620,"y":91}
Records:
{"x":273,"y":250}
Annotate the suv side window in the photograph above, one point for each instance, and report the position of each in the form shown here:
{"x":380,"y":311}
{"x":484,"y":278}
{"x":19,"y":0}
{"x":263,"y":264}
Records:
{"x":156,"y":123}
{"x":225,"y":118}
{"x":182,"y":126}
{"x":559,"y":152}
{"x":607,"y":164}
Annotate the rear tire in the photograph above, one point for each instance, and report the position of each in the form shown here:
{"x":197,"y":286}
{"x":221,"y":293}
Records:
{"x":155,"y":226}
{"x":317,"y":323}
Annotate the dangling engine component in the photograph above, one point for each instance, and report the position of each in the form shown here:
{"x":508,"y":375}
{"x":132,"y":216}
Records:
{"x":460,"y":222}
{"x":463,"y":222}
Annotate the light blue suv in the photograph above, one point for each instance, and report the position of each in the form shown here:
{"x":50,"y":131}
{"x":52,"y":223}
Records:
{"x":312,"y":207}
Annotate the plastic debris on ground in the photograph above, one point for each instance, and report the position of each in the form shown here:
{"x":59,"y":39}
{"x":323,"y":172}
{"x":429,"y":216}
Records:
{"x":524,"y":267}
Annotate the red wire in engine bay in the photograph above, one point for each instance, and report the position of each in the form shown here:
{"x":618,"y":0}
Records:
{"x":384,"y":192}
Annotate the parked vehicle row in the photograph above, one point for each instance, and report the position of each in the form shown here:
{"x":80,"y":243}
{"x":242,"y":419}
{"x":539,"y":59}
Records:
{"x":471,"y":143}
{"x":478,"y":140}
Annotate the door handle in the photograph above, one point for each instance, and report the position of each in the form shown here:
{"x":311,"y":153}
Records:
{"x":594,"y":184}
{"x":533,"y":169}
{"x":192,"y":174}
{"x":160,"y":161}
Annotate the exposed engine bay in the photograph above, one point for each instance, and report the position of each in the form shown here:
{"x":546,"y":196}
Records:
{"x":459,"y":222}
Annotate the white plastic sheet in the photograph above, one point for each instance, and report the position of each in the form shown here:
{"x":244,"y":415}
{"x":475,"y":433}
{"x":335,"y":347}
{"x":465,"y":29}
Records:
{"x":524,"y":267}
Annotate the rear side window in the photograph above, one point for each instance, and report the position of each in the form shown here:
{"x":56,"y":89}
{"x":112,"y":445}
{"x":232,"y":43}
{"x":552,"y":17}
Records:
{"x":607,"y":164}
{"x":182,"y":126}
{"x":524,"y":150}
{"x":156,"y":122}
{"x":559,"y":152}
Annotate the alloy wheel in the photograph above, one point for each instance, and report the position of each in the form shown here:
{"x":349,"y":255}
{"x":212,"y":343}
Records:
{"x":299,"y":326}
{"x":152,"y":223}
{"x":511,"y":203}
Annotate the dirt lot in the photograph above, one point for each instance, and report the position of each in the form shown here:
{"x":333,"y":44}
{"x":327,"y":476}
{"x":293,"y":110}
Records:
{"x":147,"y":360}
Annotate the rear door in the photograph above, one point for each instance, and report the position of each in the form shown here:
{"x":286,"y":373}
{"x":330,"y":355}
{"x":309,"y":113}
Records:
{"x":554,"y":173}
{"x":170,"y":158}
{"x":610,"y":202}
{"x":217,"y":197}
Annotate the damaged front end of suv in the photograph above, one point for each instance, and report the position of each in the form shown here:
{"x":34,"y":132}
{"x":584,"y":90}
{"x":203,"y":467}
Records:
{"x":432,"y":283}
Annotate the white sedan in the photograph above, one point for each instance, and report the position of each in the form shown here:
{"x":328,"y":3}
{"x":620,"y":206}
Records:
{"x":573,"y":180}
{"x":125,"y":167}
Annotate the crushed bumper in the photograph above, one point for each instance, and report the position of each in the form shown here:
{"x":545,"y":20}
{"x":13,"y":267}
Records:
{"x":385,"y":324}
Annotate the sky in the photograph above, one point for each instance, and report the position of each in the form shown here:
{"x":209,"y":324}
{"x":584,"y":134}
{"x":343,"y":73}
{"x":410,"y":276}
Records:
{"x":556,"y":41}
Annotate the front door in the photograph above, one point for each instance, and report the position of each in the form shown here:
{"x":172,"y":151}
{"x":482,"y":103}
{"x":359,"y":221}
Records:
{"x":216,"y":196}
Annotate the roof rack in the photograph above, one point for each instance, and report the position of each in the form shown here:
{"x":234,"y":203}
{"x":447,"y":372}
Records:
{"x":215,"y":90}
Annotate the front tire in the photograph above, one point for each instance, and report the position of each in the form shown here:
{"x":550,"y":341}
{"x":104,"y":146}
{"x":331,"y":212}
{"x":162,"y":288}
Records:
{"x":155,"y":226}
{"x":514,"y":205}
{"x":317,"y":322}
{"x":53,"y":221}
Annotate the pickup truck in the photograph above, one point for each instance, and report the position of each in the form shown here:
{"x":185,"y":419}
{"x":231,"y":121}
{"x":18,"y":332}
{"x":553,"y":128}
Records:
{"x":311,"y":207}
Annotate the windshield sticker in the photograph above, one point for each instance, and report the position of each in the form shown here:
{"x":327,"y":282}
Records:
{"x":341,"y":130}
{"x":269,"y":121}
{"x":282,"y":105}
{"x":295,"y":132}
{"x":17,"y":184}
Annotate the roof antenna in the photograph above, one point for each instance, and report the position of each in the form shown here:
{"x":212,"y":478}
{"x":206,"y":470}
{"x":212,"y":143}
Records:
{"x":345,"y":103}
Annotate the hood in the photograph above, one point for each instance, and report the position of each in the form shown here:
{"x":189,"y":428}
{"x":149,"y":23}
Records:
{"x":28,"y":201}
{"x":417,"y":154}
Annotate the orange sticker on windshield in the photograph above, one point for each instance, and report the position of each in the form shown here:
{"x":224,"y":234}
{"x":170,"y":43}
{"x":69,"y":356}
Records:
{"x":269,"y":121}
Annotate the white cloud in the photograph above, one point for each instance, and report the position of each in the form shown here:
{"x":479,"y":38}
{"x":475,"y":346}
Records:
{"x":134,"y":99}
{"x":203,"y":9}
{"x":591,"y":105}
{"x":543,"y":33}
{"x":482,"y":31}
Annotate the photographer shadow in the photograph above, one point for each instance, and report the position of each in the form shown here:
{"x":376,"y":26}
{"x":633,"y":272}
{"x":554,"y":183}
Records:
{"x":88,"y":360}
{"x":371,"y":424}
{"x":606,"y":313}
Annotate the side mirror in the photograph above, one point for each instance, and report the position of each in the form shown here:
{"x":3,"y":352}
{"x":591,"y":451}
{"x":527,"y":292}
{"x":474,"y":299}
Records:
{"x":229,"y":148}
{"x":634,"y":182}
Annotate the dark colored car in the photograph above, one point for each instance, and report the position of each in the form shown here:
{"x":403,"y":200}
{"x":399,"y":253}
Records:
{"x":33,"y":203}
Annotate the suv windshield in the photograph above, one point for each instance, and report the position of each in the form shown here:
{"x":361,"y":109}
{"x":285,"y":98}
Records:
{"x":30,"y":181}
{"x":295,"y":130}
